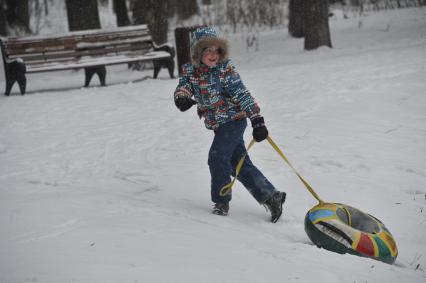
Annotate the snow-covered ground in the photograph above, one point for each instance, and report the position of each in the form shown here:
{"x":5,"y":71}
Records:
{"x":112,"y":185}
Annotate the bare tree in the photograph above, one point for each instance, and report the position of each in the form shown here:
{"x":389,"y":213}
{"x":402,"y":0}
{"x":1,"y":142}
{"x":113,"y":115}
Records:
{"x":296,"y":18}
{"x":121,"y":13}
{"x":232,"y":14}
{"x":153,"y":13}
{"x":39,"y":10}
{"x":186,"y":8}
{"x":252,"y":14}
{"x":46,"y":8}
{"x":83,"y":14}
{"x":3,"y":22}
{"x":17,"y":15}
{"x":317,"y":31}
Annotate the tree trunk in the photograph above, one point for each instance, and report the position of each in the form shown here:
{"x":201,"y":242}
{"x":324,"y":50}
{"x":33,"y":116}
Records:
{"x":83,"y":14}
{"x":3,"y":29}
{"x":317,"y":31}
{"x":153,"y":13}
{"x":183,"y":8}
{"x":186,"y":8}
{"x":296,"y":16}
{"x":120,"y":10}
{"x":46,"y":8}
{"x":17,"y":14}
{"x":138,"y":12}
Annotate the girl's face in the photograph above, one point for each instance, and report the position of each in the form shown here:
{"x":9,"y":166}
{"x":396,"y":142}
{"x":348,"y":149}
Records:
{"x":211,"y":56}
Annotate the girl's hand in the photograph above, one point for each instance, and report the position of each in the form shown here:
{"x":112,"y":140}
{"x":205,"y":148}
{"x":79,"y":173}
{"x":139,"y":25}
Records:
{"x":260,"y":132}
{"x":184,"y":103}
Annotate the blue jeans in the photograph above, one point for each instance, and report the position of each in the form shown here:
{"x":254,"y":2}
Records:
{"x":225,"y":152}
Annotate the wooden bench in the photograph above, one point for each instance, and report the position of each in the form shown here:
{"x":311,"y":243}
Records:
{"x":90,"y":49}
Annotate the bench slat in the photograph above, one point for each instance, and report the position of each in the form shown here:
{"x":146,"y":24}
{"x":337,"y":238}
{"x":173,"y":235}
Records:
{"x":114,"y":36}
{"x":69,"y":36}
{"x":92,"y":62}
{"x":95,"y":44}
{"x":82,"y":32}
{"x":15,"y":48}
{"x":137,"y":49}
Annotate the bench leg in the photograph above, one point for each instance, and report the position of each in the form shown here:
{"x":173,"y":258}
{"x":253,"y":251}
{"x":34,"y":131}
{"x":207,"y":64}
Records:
{"x":102,"y":75}
{"x":15,"y":72}
{"x":167,"y":63}
{"x":88,"y":74}
{"x":90,"y":71}
{"x":22,"y":82}
{"x":171,"y":69}
{"x":9,"y":85}
{"x":157,"y":68}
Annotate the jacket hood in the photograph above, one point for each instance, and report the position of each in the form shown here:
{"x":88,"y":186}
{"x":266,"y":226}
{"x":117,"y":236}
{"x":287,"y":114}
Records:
{"x":203,"y":38}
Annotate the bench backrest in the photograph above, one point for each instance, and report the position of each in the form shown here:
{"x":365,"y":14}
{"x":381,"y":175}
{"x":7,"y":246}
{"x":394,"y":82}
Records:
{"x":129,"y":41}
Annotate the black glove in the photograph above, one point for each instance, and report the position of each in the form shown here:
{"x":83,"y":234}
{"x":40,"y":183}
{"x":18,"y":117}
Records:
{"x":184,"y":103}
{"x":260,"y":132}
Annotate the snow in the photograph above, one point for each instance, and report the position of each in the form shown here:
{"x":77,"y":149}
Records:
{"x":111,"y":184}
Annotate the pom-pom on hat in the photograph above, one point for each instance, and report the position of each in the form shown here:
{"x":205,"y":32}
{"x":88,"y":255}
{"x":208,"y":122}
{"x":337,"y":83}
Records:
{"x":205,"y":37}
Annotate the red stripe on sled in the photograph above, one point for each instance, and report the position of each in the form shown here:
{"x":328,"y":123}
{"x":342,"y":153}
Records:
{"x":365,"y":245}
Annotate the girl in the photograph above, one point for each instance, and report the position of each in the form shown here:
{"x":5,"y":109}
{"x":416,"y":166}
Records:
{"x":211,"y":82}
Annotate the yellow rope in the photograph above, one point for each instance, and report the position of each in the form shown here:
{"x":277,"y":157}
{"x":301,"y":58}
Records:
{"x":310,"y":189}
{"x":227,"y":188}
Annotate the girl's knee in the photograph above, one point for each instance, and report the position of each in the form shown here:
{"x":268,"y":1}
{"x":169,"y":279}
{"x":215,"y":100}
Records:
{"x":218,"y":159}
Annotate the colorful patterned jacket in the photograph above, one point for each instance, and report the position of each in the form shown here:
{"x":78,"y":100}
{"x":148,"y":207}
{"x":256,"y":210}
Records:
{"x":219,"y":92}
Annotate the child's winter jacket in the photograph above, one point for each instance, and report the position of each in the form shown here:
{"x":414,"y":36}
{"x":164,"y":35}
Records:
{"x":219,"y":92}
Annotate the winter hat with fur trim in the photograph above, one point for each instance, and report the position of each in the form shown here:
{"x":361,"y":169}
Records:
{"x":206,"y":37}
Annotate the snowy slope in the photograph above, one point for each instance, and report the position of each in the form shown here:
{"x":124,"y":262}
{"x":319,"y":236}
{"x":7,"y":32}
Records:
{"x":111,"y":184}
